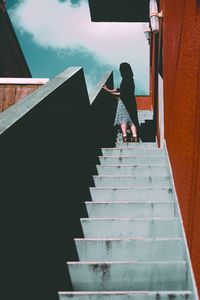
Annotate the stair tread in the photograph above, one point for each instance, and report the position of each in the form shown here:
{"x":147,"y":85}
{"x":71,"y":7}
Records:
{"x":127,"y":219}
{"x":139,"y":188}
{"x":121,"y":156}
{"x":132,"y":176}
{"x":123,"y":292}
{"x":129,"y":239}
{"x":131,"y":166}
{"x":128,"y":262}
{"x":128,"y":202}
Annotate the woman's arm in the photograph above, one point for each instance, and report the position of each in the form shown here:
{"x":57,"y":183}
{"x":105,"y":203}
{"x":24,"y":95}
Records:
{"x":112,"y":92}
{"x":115,"y":93}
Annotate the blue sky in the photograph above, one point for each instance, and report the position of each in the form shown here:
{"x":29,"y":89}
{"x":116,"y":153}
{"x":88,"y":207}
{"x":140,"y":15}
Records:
{"x":57,"y":34}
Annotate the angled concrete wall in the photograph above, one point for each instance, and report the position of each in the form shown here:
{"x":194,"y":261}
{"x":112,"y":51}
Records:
{"x":44,"y":175}
{"x":103,"y":110}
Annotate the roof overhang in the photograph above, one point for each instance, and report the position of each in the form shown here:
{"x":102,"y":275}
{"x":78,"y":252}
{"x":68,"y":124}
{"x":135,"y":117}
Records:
{"x":119,"y":10}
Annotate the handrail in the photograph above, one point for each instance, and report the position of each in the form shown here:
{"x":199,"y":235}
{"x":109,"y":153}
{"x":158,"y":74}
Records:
{"x":95,"y":92}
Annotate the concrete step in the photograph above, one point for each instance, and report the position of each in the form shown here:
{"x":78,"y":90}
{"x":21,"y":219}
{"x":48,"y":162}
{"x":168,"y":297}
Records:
{"x":145,"y":113}
{"x":112,"y":276}
{"x":124,"y":295}
{"x":144,"y":119}
{"x":133,"y":170}
{"x":133,"y":152}
{"x":136,"y":145}
{"x":130,"y":210}
{"x":145,"y":116}
{"x":132,"y":160}
{"x":130,"y":228}
{"x":131,"y":194}
{"x":130,"y":249}
{"x":132,"y":181}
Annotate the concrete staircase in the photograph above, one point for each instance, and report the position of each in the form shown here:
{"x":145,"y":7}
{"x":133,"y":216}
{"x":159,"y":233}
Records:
{"x":133,"y":245}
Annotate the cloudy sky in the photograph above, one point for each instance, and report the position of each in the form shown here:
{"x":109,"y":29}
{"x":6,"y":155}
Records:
{"x":56,"y":34}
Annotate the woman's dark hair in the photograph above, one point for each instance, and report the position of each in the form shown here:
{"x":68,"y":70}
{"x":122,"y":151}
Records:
{"x":125,"y":70}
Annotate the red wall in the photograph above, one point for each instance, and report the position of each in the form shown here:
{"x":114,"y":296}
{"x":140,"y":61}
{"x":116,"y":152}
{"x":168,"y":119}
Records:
{"x":144,"y":102}
{"x":181,"y":66}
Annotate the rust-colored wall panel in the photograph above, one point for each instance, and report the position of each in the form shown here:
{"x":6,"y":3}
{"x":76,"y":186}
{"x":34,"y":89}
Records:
{"x":9,"y":96}
{"x":181,"y":66}
{"x":20,"y":93}
{"x":12,"y":93}
{"x":1,"y":98}
{"x":144,"y":102}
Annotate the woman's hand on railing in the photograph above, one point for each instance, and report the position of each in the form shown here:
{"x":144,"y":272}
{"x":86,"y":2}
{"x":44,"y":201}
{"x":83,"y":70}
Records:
{"x":105,"y":88}
{"x":112,"y":92}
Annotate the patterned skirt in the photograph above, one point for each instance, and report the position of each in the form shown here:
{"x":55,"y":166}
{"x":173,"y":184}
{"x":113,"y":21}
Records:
{"x":122,"y":115}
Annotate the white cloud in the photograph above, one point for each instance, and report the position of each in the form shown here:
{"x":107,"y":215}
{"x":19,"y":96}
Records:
{"x":60,"y":25}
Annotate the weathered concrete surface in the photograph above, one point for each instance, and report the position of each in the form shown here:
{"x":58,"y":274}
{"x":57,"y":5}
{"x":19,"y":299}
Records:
{"x":131,"y":194}
{"x":133,"y":170}
{"x":130,"y":249}
{"x":132,"y":160}
{"x":136,"y":145}
{"x":130,"y":209}
{"x":129,"y":295}
{"x":130,"y":228}
{"x":132,"y":238}
{"x":133,"y":152}
{"x":132,"y":181}
{"x":151,"y":276}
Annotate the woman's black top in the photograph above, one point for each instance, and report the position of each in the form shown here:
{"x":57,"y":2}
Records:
{"x":127,"y":95}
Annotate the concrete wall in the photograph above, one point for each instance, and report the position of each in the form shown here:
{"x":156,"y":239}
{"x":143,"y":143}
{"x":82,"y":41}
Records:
{"x":103,"y":109}
{"x":48,"y":142}
{"x":44,"y":178}
{"x":181,"y":64}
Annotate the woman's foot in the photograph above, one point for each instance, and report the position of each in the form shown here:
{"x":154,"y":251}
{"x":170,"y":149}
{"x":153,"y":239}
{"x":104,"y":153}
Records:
{"x":124,"y":138}
{"x":134,"y":139}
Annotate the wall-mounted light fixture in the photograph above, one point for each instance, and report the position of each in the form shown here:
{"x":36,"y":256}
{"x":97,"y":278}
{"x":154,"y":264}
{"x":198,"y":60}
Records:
{"x":147,"y":32}
{"x":154,"y":16}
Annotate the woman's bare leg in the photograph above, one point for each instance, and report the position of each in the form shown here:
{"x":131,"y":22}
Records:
{"x":133,"y":130}
{"x":134,"y":133}
{"x":124,"y":129}
{"x":124,"y":134}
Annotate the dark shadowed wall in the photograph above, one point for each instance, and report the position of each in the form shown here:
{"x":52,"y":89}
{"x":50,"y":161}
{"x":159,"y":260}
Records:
{"x":44,"y":183}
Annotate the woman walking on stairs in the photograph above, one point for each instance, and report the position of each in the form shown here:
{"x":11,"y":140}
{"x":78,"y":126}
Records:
{"x":126,"y":114}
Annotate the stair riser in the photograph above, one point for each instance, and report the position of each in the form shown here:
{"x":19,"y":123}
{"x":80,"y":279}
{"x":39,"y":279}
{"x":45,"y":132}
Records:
{"x":130,"y":250}
{"x":130,"y":210}
{"x":117,"y":181}
{"x":128,"y":296}
{"x":131,"y":228}
{"x":133,"y":152}
{"x":130,"y":194}
{"x":106,"y":160}
{"x":132,"y":171}
{"x":137,"y":145}
{"x":131,"y":276}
